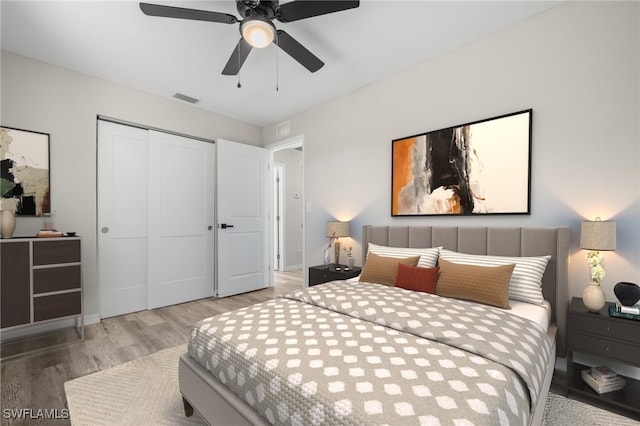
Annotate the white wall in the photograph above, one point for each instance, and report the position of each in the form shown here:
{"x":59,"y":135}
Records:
{"x":45,"y":98}
{"x":576,"y":65}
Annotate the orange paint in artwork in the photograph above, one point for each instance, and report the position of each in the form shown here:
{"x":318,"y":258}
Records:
{"x":402,"y":168}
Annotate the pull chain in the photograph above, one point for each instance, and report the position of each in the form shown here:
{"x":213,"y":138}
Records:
{"x":239,"y":85}
{"x":277,"y":67}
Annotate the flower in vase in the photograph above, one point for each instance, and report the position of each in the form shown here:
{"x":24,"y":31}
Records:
{"x":595,"y":266}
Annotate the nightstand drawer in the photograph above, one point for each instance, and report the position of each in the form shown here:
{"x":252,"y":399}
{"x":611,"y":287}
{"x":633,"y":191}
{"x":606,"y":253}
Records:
{"x":317,"y":276}
{"x":609,"y":348}
{"x":322,"y":274}
{"x":627,"y":330}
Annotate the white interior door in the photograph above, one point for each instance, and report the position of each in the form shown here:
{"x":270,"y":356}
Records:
{"x":181,"y":236}
{"x":241,"y":178}
{"x":122,"y":218}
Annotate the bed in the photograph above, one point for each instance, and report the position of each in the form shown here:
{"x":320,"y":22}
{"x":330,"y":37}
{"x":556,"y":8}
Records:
{"x":366,"y":353}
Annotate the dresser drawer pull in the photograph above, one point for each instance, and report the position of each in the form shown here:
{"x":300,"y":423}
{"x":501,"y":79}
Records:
{"x":607,"y":348}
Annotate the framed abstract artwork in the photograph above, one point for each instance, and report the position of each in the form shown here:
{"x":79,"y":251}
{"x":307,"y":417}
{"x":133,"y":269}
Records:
{"x":477,"y":168}
{"x":24,"y":172}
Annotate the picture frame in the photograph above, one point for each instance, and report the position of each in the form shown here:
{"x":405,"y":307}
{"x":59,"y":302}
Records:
{"x":477,"y":168}
{"x":24,"y":171}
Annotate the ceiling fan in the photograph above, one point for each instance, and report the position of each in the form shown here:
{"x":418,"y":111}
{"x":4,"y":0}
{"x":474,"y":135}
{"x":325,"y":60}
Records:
{"x":256,"y":27}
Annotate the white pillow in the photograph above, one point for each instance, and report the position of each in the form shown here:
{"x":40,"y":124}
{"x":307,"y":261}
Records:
{"x":428,"y":256}
{"x":526,"y":280}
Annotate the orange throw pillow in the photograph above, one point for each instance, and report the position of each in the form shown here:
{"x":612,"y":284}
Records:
{"x":416,"y":278}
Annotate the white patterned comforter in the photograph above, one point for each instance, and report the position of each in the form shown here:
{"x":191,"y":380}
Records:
{"x":356,"y":353}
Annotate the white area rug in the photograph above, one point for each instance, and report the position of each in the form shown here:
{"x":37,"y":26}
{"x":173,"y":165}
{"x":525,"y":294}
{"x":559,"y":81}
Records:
{"x":145,"y":392}
{"x":141,"y":392}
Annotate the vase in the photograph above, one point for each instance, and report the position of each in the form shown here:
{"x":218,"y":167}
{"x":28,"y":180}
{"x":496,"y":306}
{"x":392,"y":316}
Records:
{"x":327,"y":258}
{"x":593,"y":297}
{"x":350,"y":262}
{"x":7,"y":223}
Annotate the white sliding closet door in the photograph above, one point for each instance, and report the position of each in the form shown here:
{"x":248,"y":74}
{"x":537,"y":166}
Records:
{"x":122,"y":218}
{"x":155,"y":219}
{"x":181,"y":235}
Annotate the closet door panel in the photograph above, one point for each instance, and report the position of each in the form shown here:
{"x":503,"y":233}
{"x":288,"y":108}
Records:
{"x":122,"y":218}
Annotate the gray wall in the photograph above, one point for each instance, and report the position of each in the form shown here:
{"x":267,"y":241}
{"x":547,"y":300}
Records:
{"x":41,"y":97}
{"x":576,"y":65}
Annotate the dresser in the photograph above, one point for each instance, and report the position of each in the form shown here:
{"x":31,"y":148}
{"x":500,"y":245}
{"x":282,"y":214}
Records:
{"x":616,"y":339}
{"x":40,"y":282}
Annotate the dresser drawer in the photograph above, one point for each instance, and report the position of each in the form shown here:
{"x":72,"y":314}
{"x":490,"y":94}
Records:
{"x":52,"y":252}
{"x":627,"y":330}
{"x":56,"y":279}
{"x":608,"y":348}
{"x":57,"y":306}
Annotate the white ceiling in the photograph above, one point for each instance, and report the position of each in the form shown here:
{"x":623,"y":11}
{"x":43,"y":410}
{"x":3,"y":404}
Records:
{"x":115,"y":41}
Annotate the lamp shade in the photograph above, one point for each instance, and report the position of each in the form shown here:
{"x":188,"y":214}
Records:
{"x":598,"y":235}
{"x":258,"y":31}
{"x":337,"y":229}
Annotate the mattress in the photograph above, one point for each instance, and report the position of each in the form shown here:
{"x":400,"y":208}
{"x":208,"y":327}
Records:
{"x":540,"y":315}
{"x":361,"y":353}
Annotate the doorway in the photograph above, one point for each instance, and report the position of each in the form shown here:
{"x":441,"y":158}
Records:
{"x":287,"y":201}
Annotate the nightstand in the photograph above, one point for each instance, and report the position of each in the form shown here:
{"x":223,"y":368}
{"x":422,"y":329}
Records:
{"x":322,"y":274}
{"x":617,"y":339}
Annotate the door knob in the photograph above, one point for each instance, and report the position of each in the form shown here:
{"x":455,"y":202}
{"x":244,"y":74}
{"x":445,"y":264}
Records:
{"x":104,"y":229}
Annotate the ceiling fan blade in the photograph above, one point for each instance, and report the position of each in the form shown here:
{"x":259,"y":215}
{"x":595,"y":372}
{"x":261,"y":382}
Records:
{"x":299,"y":52}
{"x":182,"y":13}
{"x":302,"y":9}
{"x":237,"y":58}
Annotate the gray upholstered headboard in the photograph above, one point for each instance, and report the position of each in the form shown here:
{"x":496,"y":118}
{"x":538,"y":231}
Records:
{"x":498,"y":242}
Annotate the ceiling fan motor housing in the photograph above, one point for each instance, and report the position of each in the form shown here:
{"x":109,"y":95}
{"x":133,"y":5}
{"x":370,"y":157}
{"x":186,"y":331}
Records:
{"x":265,"y":8}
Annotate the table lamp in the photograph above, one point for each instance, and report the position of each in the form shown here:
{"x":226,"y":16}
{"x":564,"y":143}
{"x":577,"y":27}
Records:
{"x":596,"y":236}
{"x":335,"y":230}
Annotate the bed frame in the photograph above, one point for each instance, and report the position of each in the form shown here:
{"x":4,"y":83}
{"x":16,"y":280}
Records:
{"x":217,"y":405}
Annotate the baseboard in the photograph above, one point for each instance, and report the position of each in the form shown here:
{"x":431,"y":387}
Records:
{"x":91,"y":319}
{"x":292,"y":268}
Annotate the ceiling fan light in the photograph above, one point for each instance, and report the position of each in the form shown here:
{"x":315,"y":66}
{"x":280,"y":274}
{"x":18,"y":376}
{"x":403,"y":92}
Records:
{"x":257,"y":32}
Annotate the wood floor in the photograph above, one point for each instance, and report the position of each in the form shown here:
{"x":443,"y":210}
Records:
{"x":36,"y":382}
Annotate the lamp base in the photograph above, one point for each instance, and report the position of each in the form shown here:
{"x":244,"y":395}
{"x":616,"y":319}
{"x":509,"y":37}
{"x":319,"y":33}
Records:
{"x":593,"y":297}
{"x":337,"y":248}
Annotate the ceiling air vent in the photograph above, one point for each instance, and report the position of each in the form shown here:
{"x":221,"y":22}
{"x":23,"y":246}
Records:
{"x":186,"y":98}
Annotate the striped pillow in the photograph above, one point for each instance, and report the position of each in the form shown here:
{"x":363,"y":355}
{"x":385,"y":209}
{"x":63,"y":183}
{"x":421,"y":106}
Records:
{"x":526,"y":280}
{"x":428,"y":256}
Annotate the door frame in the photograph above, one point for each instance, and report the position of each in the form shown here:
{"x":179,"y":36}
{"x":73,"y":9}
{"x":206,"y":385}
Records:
{"x":278,"y":180}
{"x":293,"y":142}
